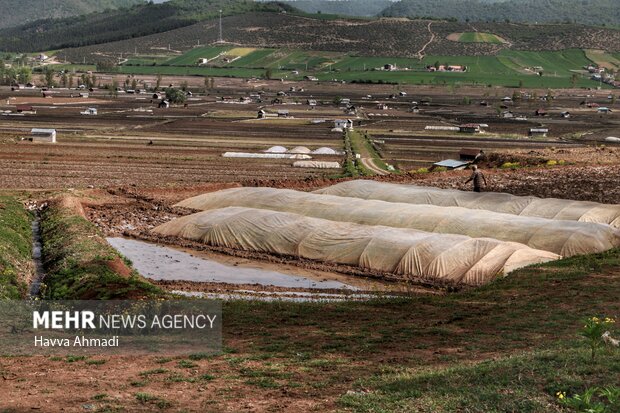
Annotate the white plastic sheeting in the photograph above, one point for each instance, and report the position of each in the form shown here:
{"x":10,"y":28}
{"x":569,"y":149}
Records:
{"x":405,"y":253}
{"x":566,"y":238}
{"x":265,"y":155}
{"x":299,"y":149}
{"x":276,"y":149}
{"x":530,"y":206}
{"x":325,"y":151}
{"x":316,"y":164}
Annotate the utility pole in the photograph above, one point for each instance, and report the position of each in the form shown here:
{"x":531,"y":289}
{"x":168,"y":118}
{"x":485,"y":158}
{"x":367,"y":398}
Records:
{"x":221,"y":39}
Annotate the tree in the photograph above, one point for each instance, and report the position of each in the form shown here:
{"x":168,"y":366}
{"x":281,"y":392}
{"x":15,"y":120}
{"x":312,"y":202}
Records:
{"x":175,"y":95}
{"x":158,"y":83}
{"x":63,"y":79}
{"x":184,"y":85}
{"x":49,"y":77}
{"x":268,"y":73}
{"x":134,"y":83}
{"x":115,"y":88}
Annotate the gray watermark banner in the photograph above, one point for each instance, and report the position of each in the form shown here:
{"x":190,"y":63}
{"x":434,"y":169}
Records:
{"x":169,"y":327}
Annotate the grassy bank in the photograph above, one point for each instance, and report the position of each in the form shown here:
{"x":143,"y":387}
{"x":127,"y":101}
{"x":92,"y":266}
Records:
{"x":80,"y":264}
{"x":507,"y":347}
{"x":15,"y":249}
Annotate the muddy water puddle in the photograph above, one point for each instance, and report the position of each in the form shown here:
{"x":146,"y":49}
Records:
{"x":165,"y":263}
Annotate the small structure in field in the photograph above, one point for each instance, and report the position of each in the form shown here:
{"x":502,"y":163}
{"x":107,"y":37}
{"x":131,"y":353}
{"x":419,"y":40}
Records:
{"x":311,"y":78}
{"x":538,"y":132}
{"x":203,"y":61}
{"x":26,"y":109}
{"x":90,"y":111}
{"x":541,"y":112}
{"x":43,"y":135}
{"x":469,"y":128}
{"x":389,"y":67}
{"x":451,"y":164}
{"x":283,"y":113}
{"x":565,"y":115}
{"x":343,"y":124}
{"x":603,"y":109}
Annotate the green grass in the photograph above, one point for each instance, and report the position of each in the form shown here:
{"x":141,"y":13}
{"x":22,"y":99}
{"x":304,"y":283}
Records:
{"x":505,"y":347}
{"x":15,"y":248}
{"x":478,"y":37}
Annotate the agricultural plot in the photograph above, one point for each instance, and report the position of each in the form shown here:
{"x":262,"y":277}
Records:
{"x":191,"y":57}
{"x":477,"y":37}
{"x":607,"y":60}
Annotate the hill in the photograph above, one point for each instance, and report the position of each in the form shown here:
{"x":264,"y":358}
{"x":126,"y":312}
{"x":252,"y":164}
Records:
{"x":113,"y":25}
{"x":363,"y":8}
{"x":19,"y":12}
{"x":384,"y":37}
{"x":594,"y":12}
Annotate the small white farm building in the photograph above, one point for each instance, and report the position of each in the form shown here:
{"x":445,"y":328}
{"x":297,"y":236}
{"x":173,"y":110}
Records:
{"x":43,"y":135}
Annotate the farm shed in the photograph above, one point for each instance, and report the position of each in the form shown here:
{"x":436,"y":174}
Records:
{"x":316,"y":164}
{"x":542,"y":132}
{"x":26,"y":109}
{"x":451,"y":164}
{"x":43,"y":135}
{"x":405,"y":253}
{"x":469,"y":128}
{"x":343,"y":124}
{"x":283,"y":113}
{"x":529,"y":206}
{"x":566,"y":238}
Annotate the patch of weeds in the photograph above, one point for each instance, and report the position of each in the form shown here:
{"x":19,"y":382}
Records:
{"x":73,"y":359}
{"x":95,"y":362}
{"x":263,"y":382}
{"x":145,"y":397}
{"x":100,"y":396}
{"x":179,"y":378}
{"x":187,"y":364}
{"x":163,"y":360}
{"x":153,"y":371}
{"x":138,"y":383}
{"x":207,"y":377}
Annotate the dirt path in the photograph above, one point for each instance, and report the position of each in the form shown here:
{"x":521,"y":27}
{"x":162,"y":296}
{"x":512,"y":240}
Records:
{"x":370,"y":164}
{"x":420,"y":52}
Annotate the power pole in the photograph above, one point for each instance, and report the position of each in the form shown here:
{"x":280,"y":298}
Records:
{"x":221,"y":39}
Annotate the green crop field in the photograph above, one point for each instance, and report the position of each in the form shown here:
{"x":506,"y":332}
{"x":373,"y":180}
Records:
{"x":256,"y":59}
{"x":509,"y":68}
{"x":191,"y":57}
{"x":477,"y":37}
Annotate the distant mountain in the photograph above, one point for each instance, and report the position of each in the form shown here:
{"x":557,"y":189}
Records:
{"x":113,"y":25}
{"x":593,"y":12}
{"x":362,"y":8}
{"x":19,"y":12}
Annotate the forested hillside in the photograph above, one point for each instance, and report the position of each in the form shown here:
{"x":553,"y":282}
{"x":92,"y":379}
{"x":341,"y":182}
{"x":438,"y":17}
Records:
{"x":18,"y":12}
{"x":113,"y":25}
{"x":594,"y":12}
{"x":365,"y":8}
